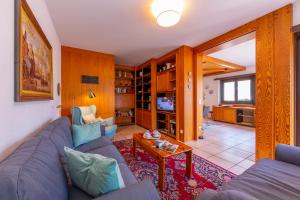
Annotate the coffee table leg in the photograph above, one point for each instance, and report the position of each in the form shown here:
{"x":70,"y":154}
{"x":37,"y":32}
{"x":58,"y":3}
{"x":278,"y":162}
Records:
{"x":188,"y":172}
{"x":161,"y":175}
{"x":134,"y":147}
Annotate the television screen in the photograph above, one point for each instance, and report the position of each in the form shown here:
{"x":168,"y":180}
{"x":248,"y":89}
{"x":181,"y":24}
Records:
{"x":165,"y":103}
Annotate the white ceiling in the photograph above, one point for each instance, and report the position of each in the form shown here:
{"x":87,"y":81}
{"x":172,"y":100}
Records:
{"x":242,"y":54}
{"x":127,"y":29}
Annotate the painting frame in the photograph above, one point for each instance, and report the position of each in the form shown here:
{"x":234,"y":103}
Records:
{"x":38,"y":84}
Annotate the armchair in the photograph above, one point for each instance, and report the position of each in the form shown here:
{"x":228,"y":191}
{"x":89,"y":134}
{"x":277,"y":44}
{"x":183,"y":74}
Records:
{"x":108,"y":128}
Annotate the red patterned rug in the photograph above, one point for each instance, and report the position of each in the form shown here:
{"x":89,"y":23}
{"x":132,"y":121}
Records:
{"x":177,"y":185}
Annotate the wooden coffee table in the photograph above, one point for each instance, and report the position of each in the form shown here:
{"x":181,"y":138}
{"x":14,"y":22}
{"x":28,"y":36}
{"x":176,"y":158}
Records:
{"x":161,"y":156}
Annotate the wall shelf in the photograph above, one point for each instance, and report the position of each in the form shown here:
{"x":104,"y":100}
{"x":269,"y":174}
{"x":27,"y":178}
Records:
{"x":125,"y":95}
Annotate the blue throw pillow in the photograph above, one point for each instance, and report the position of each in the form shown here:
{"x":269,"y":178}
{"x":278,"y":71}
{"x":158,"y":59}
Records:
{"x":85,"y":133}
{"x":93,"y":173}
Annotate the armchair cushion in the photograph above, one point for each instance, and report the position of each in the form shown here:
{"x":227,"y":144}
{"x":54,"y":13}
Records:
{"x":288,"y":154}
{"x":109,"y":131}
{"x":85,"y":133}
{"x":87,"y":114}
{"x":108,"y":121}
{"x":88,"y":119}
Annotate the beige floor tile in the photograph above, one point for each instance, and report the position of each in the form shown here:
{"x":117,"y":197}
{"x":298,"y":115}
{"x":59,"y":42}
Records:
{"x":237,"y":170}
{"x":220,"y":162}
{"x":201,"y":153}
{"x":238,"y":152}
{"x":252,"y":158}
{"x":213,"y":149}
{"x":246,"y":164}
{"x":230,"y":157}
{"x":246,"y":148}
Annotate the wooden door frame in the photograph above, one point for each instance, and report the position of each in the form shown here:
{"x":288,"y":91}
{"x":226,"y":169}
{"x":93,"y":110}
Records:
{"x":274,"y":113}
{"x":297,"y":83}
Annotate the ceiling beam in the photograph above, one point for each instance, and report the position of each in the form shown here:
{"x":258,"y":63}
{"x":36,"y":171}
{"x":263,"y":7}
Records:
{"x":214,"y":66}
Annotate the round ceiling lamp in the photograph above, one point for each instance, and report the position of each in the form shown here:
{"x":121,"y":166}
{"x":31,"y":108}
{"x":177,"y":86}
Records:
{"x":167,"y":12}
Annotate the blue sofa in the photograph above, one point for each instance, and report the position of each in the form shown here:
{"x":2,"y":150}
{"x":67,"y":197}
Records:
{"x":34,"y":170}
{"x":266,"y":180}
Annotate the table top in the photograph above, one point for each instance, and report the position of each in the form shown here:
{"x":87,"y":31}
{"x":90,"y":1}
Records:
{"x":150,"y":147}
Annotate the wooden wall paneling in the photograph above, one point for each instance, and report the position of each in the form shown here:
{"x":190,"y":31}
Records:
{"x":188,"y":94}
{"x":297,"y":88}
{"x":153,"y":93}
{"x":179,"y":95}
{"x":264,"y":87}
{"x":282,"y":75}
{"x":273,"y":49}
{"x":77,"y":62}
{"x":198,"y":95}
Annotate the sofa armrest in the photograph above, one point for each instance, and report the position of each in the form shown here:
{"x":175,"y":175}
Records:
{"x":144,"y":190}
{"x":288,"y":154}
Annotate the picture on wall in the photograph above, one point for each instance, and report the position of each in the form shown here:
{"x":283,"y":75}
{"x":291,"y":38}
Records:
{"x":33,"y":57}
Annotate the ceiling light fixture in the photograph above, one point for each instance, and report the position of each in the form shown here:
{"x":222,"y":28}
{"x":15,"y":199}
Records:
{"x":167,"y":12}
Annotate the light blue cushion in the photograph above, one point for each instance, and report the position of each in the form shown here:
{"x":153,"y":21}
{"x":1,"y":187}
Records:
{"x":93,"y":173}
{"x":110,"y":131}
{"x":85,"y":133}
{"x":108,"y":121}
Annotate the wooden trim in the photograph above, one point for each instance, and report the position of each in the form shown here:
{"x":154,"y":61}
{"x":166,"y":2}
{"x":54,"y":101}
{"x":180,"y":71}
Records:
{"x":231,"y":77}
{"x":297,"y":88}
{"x":273,"y":77}
{"x":227,"y":37}
{"x":296,"y":28}
{"x":78,"y":50}
{"x":231,"y":43}
{"x":213,"y":66}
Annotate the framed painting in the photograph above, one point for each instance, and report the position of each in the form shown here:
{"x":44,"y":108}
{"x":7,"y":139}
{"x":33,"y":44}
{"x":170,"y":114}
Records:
{"x":33,"y":57}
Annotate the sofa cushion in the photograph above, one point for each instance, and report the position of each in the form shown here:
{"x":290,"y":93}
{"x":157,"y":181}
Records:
{"x":78,"y":194}
{"x":268,"y":180}
{"x":207,"y":194}
{"x":128,"y":177}
{"x":93,"y":173}
{"x":95,"y":144}
{"x":109,"y":151}
{"x":33,"y":171}
{"x":59,"y":132}
{"x":232,"y":195}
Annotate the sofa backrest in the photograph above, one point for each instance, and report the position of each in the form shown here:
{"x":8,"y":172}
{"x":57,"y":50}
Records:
{"x":34,"y":170}
{"x":59,"y":132}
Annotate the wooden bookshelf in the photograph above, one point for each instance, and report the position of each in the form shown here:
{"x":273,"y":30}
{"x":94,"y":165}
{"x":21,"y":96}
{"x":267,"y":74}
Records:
{"x":146,"y":94}
{"x":174,"y":79}
{"x":125,"y":95}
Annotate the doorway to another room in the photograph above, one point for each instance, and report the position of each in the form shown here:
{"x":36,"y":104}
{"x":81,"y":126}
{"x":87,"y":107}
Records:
{"x":229,"y":85}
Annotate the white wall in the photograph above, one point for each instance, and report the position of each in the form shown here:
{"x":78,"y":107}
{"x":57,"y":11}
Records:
{"x":19,"y":120}
{"x":212,"y":84}
{"x":296,"y":13}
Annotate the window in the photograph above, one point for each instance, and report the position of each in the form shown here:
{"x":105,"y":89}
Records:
{"x":229,"y":91}
{"x":238,"y":90}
